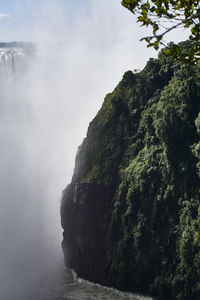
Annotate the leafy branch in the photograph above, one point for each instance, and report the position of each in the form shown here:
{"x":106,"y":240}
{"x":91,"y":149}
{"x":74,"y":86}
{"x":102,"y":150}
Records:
{"x":170,"y":15}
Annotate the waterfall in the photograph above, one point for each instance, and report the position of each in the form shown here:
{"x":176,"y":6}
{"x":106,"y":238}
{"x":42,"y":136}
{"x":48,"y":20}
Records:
{"x":29,"y":213}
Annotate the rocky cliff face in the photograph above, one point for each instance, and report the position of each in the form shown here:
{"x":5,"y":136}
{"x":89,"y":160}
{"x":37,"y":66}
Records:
{"x":131,"y":215}
{"x":87,"y":205}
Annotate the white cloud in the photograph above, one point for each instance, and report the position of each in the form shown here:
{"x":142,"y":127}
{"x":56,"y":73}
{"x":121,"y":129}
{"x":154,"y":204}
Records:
{"x":2,"y":16}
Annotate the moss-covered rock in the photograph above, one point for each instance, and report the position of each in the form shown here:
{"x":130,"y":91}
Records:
{"x":131,"y":215}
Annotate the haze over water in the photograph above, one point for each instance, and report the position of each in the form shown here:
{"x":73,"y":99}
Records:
{"x":31,"y":136}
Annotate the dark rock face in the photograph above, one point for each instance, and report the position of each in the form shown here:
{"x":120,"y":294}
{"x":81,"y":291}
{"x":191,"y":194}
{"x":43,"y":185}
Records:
{"x":131,"y":215}
{"x":85,"y":216}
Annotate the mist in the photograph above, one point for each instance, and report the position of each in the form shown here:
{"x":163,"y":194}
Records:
{"x":81,"y":54}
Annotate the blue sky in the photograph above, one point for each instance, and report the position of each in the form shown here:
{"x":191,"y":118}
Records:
{"x":35,"y":20}
{"x":18,"y":17}
{"x":23,"y":19}
{"x":15,"y":15}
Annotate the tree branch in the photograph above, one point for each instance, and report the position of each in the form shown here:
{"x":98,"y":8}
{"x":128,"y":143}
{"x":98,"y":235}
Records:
{"x":162,"y":34}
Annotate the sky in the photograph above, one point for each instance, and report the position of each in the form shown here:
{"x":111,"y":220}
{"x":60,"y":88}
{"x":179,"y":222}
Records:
{"x":19,"y":19}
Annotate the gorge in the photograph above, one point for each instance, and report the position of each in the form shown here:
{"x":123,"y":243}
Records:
{"x":130,"y":214}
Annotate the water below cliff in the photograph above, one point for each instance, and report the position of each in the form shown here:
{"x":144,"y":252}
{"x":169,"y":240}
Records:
{"x":63,"y":284}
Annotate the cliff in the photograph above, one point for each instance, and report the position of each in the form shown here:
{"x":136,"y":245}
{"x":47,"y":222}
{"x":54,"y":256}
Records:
{"x":131,"y":214}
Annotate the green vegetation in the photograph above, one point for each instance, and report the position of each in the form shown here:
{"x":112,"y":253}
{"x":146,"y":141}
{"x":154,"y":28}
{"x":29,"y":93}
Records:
{"x":164,"y":16}
{"x":142,"y":151}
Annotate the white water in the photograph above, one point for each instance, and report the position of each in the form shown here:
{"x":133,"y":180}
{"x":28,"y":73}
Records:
{"x":66,"y":285}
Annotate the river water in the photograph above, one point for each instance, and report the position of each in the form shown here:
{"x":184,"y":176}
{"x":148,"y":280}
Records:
{"x":63,"y":284}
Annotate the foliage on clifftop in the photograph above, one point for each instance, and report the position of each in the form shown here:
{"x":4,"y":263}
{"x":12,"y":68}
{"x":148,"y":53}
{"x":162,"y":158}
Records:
{"x":144,"y":142}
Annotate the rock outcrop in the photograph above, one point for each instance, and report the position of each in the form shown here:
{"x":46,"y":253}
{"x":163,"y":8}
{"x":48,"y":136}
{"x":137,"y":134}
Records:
{"x":131,"y":215}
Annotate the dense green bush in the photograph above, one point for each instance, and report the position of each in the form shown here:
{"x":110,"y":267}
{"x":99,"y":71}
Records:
{"x":144,"y":148}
